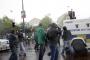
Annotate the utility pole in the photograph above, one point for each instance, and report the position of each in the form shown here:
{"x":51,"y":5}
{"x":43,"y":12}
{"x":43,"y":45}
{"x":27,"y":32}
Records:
{"x":23,"y":15}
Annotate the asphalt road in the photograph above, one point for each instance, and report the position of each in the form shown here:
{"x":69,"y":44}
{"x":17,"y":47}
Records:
{"x":32,"y":55}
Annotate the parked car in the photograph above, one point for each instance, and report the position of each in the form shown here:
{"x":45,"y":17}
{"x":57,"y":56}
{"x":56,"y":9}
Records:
{"x":4,"y":44}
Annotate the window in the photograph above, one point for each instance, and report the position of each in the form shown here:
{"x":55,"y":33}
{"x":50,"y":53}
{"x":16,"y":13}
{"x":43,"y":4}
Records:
{"x":88,"y":24}
{"x":76,"y":25}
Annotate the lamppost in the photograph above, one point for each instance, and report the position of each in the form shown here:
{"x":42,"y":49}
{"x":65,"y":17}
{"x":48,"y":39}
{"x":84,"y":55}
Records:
{"x":23,"y":15}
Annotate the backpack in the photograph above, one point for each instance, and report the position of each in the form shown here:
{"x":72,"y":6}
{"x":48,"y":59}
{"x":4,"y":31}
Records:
{"x":52,"y":33}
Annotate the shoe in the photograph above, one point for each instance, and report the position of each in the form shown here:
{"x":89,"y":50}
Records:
{"x":24,"y":54}
{"x":49,"y":54}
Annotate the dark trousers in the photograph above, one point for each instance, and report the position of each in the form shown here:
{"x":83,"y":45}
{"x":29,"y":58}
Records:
{"x":41,"y":52}
{"x":13,"y":53}
{"x":13,"y":56}
{"x":54,"y":52}
{"x":36,"y":46}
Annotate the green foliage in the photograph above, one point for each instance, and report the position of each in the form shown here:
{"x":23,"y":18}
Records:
{"x":61,"y":19}
{"x":1,"y":25}
{"x":46,"y":21}
{"x":25,"y":25}
{"x":5,"y":24}
{"x":21,"y":25}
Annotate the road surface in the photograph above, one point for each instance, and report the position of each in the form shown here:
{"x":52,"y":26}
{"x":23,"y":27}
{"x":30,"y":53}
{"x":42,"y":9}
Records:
{"x":32,"y":55}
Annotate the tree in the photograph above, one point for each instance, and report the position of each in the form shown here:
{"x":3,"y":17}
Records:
{"x":26,"y":25}
{"x":46,"y":21}
{"x":5,"y":24}
{"x":1,"y":25}
{"x":63,"y":17}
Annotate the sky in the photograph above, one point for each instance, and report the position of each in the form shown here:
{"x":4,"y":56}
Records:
{"x":41,"y":8}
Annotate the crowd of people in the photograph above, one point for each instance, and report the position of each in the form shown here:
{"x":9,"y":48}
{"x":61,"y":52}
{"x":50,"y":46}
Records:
{"x":16,"y":43}
{"x":50,"y":37}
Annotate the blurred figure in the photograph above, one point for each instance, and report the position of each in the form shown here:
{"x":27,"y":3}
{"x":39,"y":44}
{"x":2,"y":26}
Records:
{"x":59,"y":35}
{"x":21,"y":43}
{"x":66,"y":36}
{"x":32,"y":35}
{"x":13,"y":45}
{"x":34,"y":39}
{"x":79,"y":46}
{"x":40,"y":40}
{"x":53,"y":38}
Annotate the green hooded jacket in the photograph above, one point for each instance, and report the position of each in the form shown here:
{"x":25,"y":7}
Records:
{"x":40,"y":35}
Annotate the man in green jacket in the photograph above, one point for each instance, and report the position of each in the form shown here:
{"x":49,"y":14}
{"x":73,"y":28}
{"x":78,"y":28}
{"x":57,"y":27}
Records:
{"x":40,"y":38}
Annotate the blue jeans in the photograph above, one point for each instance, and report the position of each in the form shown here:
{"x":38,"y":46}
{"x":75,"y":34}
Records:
{"x":21,"y":48}
{"x":54,"y":52}
{"x":66,"y":44}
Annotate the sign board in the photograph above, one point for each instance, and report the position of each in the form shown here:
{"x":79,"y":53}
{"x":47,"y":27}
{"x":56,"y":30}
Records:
{"x":23,"y":15}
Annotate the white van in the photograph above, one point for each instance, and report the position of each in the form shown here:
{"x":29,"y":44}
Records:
{"x":4,"y":44}
{"x":79,"y":28}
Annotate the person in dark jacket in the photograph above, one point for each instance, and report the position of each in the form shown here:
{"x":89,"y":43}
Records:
{"x":66,"y":36}
{"x":52,"y":36}
{"x":59,"y":36}
{"x":21,"y":47}
{"x":13,"y":45}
